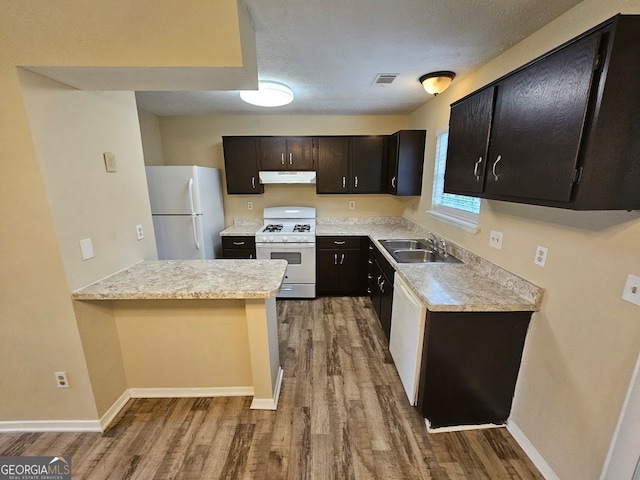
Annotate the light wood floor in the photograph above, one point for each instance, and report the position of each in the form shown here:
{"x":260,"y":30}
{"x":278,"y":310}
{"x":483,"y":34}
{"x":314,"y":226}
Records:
{"x":342,"y":415}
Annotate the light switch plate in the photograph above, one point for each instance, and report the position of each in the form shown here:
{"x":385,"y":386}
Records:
{"x":631,"y":292}
{"x":541,"y":255}
{"x":110,"y":162}
{"x":86,"y":247}
{"x":495,"y":239}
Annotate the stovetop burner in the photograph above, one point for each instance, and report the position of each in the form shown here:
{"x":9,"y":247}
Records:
{"x":273,"y":227}
{"x":302,"y":227}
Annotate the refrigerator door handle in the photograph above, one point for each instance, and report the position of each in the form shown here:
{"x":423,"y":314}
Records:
{"x":193,"y":215}
{"x":195,"y":232}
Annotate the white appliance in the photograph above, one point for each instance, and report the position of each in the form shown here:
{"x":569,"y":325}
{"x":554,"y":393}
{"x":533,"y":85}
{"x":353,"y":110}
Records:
{"x":289,"y":233}
{"x":408,"y":319}
{"x":188,"y":216}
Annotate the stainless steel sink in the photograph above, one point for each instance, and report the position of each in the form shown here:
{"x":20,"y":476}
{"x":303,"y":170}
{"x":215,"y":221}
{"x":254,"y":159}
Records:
{"x":391,"y":245}
{"x":415,"y":251}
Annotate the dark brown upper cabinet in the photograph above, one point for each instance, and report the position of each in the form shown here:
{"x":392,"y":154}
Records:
{"x":405,"y":162}
{"x":350,"y":164}
{"x":559,"y":131}
{"x":287,"y":153}
{"x":241,"y":165}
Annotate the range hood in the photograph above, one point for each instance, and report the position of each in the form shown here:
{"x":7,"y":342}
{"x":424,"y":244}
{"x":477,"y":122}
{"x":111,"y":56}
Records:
{"x":271,"y":177}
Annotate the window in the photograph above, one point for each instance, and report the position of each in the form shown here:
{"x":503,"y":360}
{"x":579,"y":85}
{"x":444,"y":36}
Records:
{"x":459,"y":210}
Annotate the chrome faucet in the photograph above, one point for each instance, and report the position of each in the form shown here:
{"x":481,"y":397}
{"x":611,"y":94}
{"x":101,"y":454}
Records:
{"x":433,"y":240}
{"x":444,"y":248}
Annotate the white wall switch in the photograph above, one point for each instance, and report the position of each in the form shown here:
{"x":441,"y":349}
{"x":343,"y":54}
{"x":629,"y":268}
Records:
{"x":249,"y":205}
{"x":631,"y":291}
{"x":541,"y":255}
{"x":139,"y":232}
{"x":352,"y":205}
{"x":110,"y":162}
{"x":495,"y":239}
{"x":86,"y":247}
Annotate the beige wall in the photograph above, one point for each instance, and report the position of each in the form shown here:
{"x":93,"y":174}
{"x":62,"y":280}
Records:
{"x":197,"y":140}
{"x":151,"y":138}
{"x":184,"y":343}
{"x":582,"y":346}
{"x":38,"y":265}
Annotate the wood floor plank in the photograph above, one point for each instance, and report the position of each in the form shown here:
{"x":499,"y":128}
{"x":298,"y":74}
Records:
{"x":342,"y":414}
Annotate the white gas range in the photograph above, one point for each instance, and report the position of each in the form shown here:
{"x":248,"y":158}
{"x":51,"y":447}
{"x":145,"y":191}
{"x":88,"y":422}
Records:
{"x":289,"y":233}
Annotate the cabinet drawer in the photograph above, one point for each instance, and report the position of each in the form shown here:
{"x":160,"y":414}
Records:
{"x":238,"y":242}
{"x":338,"y":242}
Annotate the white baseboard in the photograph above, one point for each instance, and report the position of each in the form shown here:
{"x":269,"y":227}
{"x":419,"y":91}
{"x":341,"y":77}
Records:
{"x":460,"y":428}
{"x":102,"y":424}
{"x":531,"y":451}
{"x":114,"y":409}
{"x":190,"y":392}
{"x":269,"y":403}
{"x":51,"y":426}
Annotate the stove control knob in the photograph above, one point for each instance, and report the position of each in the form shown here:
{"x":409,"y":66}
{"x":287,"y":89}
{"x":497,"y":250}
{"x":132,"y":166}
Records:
{"x":285,"y":239}
{"x":271,"y":239}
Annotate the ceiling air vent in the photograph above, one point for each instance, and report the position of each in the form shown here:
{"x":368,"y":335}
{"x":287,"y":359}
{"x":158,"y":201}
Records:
{"x":385,"y":78}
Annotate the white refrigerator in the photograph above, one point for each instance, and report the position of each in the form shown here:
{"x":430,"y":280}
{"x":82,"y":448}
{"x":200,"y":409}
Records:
{"x":187,"y":210}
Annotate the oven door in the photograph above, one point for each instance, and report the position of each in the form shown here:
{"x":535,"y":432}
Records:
{"x":300,"y":276}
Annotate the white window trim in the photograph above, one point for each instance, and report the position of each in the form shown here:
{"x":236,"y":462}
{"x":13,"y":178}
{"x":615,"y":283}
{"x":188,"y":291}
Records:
{"x":461,"y":219}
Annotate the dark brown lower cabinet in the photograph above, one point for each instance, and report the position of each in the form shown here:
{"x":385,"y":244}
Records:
{"x":470,"y":364}
{"x":339,"y":266}
{"x":380,"y":287}
{"x":239,"y":247}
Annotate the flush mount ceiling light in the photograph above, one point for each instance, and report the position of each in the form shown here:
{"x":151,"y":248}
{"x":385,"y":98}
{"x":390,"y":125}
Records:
{"x":269,"y":94}
{"x":436,"y":82}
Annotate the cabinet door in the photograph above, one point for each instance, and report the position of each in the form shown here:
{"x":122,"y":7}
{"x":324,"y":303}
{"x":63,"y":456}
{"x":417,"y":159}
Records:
{"x":392,"y":163}
{"x":273,"y":153}
{"x":300,"y":153}
{"x":327,"y":271}
{"x":405,"y":162}
{"x":386,"y":300}
{"x":333,"y":165}
{"x":469,"y":127}
{"x":366,"y":164}
{"x":241,"y":165}
{"x":538,"y":124}
{"x":351,"y":281}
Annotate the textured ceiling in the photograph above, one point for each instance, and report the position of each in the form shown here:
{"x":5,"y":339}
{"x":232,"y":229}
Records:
{"x":330,"y":51}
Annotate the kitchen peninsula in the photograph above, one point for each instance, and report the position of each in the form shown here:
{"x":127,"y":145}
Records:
{"x":194,"y":327}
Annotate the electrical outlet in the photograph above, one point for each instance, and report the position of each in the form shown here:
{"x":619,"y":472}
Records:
{"x":249,"y":205}
{"x":541,"y":255}
{"x":495,"y":239}
{"x":631,"y":292}
{"x":139,"y":232}
{"x":352,"y":205}
{"x":61,"y":380}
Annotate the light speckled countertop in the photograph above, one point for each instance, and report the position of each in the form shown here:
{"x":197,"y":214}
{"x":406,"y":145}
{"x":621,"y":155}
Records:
{"x":475,"y":285}
{"x":189,"y":279}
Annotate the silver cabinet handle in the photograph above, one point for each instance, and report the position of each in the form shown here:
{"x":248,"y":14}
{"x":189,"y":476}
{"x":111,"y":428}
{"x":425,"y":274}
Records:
{"x":238,"y":243}
{"x":341,"y":259}
{"x":339,"y":242}
{"x":379,"y":280}
{"x":370,"y":261}
{"x":476,"y":167}
{"x":344,"y":182}
{"x":493,"y":169}
{"x":335,"y":258}
{"x":251,"y":256}
{"x":355,"y":182}
{"x":282,"y":158}
{"x":290,"y":158}
{"x":253,"y":182}
{"x":393,"y":182}
{"x":382,"y":286}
